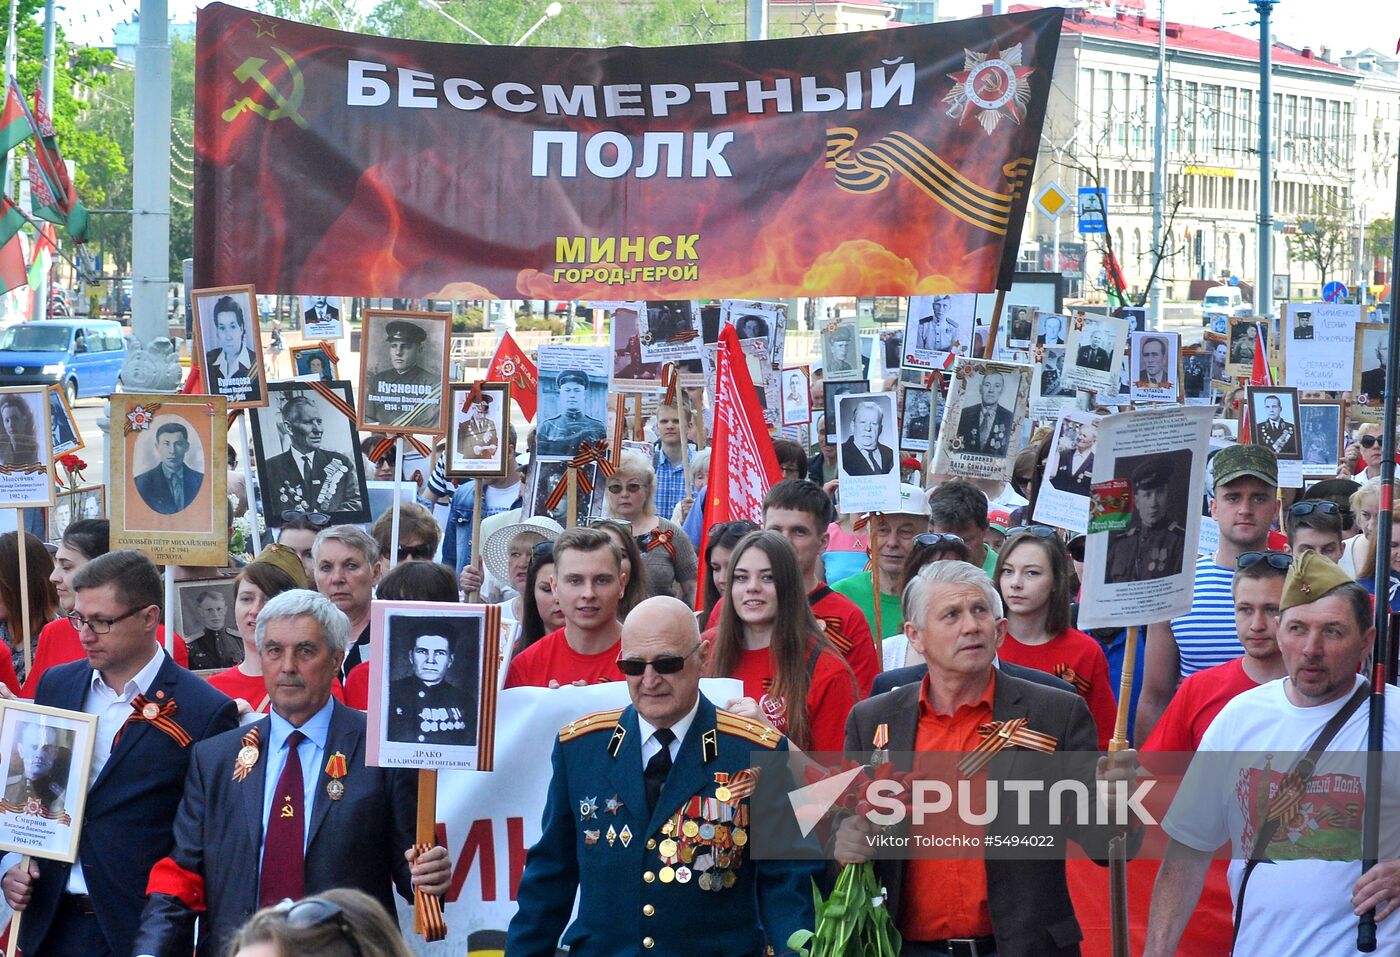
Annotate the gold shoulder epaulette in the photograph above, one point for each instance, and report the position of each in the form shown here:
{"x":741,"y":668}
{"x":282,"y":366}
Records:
{"x":597,"y":721}
{"x":748,"y":729}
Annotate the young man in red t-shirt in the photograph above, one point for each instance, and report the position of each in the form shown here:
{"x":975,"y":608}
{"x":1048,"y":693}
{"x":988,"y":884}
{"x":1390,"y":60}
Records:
{"x":588,"y":582}
{"x":800,"y":511}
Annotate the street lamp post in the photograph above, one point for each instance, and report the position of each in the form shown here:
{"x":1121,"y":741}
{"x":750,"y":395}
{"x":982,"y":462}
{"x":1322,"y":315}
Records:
{"x":550,"y":12}
{"x":1263,"y":284}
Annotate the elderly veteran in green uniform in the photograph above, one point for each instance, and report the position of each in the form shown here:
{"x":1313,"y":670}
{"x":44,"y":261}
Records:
{"x":563,"y":433}
{"x":405,"y":394}
{"x":647,"y":820}
{"x":1152,"y":546}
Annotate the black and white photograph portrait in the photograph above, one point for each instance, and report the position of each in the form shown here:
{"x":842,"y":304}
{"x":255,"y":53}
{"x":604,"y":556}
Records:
{"x":866,"y":459}
{"x":1155,"y":364}
{"x":841,"y":359}
{"x":63,"y":424}
{"x":632,"y":370}
{"x":831,"y":391}
{"x":403,"y":365}
{"x":89,"y":501}
{"x":984,"y":418}
{"x":229,"y":345}
{"x":1050,"y":330}
{"x":1153,"y":545}
{"x":313,"y":360}
{"x":670,"y":330}
{"x":477,"y":436}
{"x":1094,"y":352}
{"x":1273,"y":419}
{"x":208,"y":624}
{"x":544,"y":480}
{"x":916,"y":419}
{"x":1020,"y":325}
{"x":1071,"y":465}
{"x":1096,"y":346}
{"x":1302,"y":325}
{"x":1369,"y":390}
{"x":573,"y":399}
{"x":938,"y":326}
{"x":320,"y":317}
{"x":1321,"y":425}
{"x":891,"y":350}
{"x":48,"y":754}
{"x":1195,"y":376}
{"x":758,"y":319}
{"x":797,"y":395}
{"x":1051,"y":374}
{"x":1136,"y":317}
{"x":433,"y":700}
{"x":1215,"y":345}
{"x":1243,"y":332}
{"x":308,"y":456}
{"x":25,"y":437}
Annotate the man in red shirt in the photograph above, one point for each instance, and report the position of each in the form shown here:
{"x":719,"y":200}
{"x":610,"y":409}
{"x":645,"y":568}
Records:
{"x":588,"y":582}
{"x":800,"y":511}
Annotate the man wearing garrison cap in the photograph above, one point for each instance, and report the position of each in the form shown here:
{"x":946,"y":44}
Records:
{"x":406,"y":393}
{"x":1152,"y":545}
{"x":562,"y":434}
{"x":1306,"y":896}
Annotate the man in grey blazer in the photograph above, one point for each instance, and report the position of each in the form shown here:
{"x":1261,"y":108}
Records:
{"x":286,"y":807}
{"x":953,"y":617}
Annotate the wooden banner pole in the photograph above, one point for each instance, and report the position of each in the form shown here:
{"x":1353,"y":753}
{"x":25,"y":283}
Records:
{"x":20,"y":536}
{"x":398,"y":491}
{"x":571,"y":509}
{"x":169,"y":616}
{"x":478,"y":559}
{"x":428,"y":922}
{"x":247,"y":463}
{"x":991,"y":347}
{"x":1117,"y":846}
{"x":875,"y":583}
{"x":685,"y":444}
{"x":12,"y":945}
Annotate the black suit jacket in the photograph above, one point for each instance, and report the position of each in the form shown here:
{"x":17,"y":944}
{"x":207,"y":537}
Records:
{"x":856,"y":463}
{"x":356,"y":842}
{"x":284,"y":480}
{"x":130,"y":805}
{"x":997,"y":442}
{"x":1029,"y":902}
{"x":155,"y":491}
{"x":332,"y":314}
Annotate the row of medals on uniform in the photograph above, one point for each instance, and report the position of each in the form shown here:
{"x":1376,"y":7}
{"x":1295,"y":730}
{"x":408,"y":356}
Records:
{"x":703,"y":841}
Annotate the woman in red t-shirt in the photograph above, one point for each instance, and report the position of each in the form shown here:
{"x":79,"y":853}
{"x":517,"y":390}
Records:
{"x":768,"y":637}
{"x":259,"y":582}
{"x":1036,"y":579}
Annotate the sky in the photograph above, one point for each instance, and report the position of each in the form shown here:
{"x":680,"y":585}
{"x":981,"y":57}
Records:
{"x":1340,"y":24}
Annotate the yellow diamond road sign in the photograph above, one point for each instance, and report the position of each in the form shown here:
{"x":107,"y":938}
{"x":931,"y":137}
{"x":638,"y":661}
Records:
{"x":1052,"y":200}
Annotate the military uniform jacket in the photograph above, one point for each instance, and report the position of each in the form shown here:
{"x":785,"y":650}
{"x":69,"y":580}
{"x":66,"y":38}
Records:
{"x":599,"y":839}
{"x":413,"y":398}
{"x":430,"y":714}
{"x":334,"y":485}
{"x":1140,"y":554}
{"x":561,"y":434}
{"x":1281,"y":437}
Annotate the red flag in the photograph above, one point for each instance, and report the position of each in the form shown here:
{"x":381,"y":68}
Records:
{"x":511,"y":364}
{"x":743,"y":466}
{"x":13,"y":272}
{"x":1260,"y":373}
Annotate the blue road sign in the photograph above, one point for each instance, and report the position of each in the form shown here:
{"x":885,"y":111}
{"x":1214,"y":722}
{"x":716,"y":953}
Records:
{"x":1334,"y":291}
{"x":1093,"y":207}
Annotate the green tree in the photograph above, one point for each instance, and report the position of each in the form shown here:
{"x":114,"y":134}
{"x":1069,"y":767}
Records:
{"x":1323,"y":242}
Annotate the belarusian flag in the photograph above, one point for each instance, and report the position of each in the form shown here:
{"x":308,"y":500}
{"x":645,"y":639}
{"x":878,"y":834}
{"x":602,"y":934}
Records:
{"x":65,"y":210}
{"x":14,"y":123}
{"x":42,"y":201}
{"x":11,"y":220}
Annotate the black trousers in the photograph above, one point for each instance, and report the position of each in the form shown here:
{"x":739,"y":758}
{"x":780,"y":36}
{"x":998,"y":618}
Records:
{"x":73,"y":934}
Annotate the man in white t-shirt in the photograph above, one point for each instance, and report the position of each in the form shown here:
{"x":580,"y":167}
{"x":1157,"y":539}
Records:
{"x":1304,"y":894}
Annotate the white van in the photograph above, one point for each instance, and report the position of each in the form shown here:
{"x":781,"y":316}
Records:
{"x":1220,"y":304}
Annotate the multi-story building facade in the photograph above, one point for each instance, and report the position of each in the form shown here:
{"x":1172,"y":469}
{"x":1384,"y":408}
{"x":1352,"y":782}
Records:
{"x":1335,"y":127}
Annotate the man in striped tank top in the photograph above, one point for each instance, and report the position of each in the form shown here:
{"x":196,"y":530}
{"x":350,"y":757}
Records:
{"x":1245,"y":504}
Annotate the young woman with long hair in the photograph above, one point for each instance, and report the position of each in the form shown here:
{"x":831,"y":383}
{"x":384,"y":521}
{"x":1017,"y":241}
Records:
{"x":719,"y":547}
{"x":43,"y":600}
{"x":540,"y":612}
{"x":794,"y":679}
{"x":1036,"y":579}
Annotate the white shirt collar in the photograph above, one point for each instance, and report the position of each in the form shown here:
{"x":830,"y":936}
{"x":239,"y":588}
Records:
{"x":139,"y":683}
{"x":682,"y":727}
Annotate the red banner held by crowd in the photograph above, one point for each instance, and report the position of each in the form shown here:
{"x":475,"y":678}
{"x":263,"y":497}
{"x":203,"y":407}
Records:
{"x":511,"y":364}
{"x":884,"y":162}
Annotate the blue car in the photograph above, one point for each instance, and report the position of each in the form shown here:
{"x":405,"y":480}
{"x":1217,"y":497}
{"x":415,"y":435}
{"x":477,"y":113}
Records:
{"x":85,"y":356}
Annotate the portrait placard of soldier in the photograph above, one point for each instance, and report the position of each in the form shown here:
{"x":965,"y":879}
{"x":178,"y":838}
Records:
{"x":632,"y":369}
{"x":938,"y":326}
{"x":831,"y":393}
{"x":1050,"y":330}
{"x":433,"y":704}
{"x":1218,"y":348}
{"x":1368,"y":390}
{"x":984,"y":420}
{"x":1050,"y":392}
{"x":26,"y":438}
{"x":1321,"y":425}
{"x":1019,"y":324}
{"x":320,"y":317}
{"x":1242,"y":335}
{"x":573,"y":399}
{"x":403,"y":366}
{"x":48,"y":754}
{"x":228,"y":345}
{"x":170,"y":477}
{"x":1155,"y":368}
{"x":1273,"y":420}
{"x":891,"y":350}
{"x":63,"y":424}
{"x":1063,"y":499}
{"x":758,"y":319}
{"x":546,"y":476}
{"x":306,"y":448}
{"x":841,"y":351}
{"x":313,"y":360}
{"x":866,"y":461}
{"x":1144,"y":517}
{"x":1195,"y":376}
{"x":205,"y":618}
{"x":1094,"y":352}
{"x":90,"y":501}
{"x":916,"y":419}
{"x":670,"y":330}
{"x":797,"y":395}
{"x":477,"y":432}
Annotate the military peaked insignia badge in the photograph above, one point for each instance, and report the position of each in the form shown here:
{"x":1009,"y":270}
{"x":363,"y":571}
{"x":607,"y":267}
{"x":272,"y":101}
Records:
{"x":991,"y":87}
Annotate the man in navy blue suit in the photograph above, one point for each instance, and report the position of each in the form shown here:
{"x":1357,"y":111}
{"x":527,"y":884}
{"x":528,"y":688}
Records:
{"x":172,"y":485}
{"x":150,"y":711}
{"x":286,"y":807}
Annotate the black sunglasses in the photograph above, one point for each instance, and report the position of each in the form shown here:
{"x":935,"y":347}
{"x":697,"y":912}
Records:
{"x":1307,"y":508}
{"x":1035,"y":531}
{"x":315,"y":911}
{"x":934,"y":539}
{"x":1279,"y":560}
{"x":1368,"y":441}
{"x":416,"y":553}
{"x":314,"y":519}
{"x":661,"y":664}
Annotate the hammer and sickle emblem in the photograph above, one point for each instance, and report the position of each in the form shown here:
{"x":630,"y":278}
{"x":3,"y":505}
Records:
{"x":287,"y":811}
{"x":287,"y":106}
